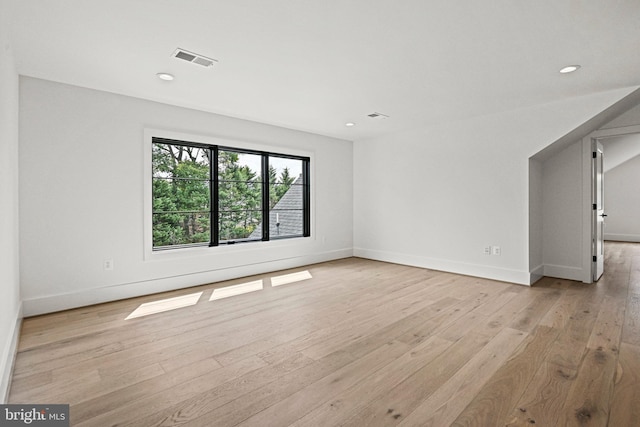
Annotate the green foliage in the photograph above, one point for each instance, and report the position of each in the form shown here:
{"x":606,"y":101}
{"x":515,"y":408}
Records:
{"x":240,"y":198}
{"x":181,"y":195}
{"x":278,"y":187}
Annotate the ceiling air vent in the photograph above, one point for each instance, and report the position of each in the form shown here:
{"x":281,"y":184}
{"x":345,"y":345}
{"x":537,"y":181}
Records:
{"x":377,"y":116}
{"x":194,"y":58}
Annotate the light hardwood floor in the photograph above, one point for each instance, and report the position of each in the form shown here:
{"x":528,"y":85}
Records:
{"x":360,"y":343}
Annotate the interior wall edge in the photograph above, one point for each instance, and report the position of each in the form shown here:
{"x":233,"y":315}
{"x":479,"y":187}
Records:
{"x":9,"y":357}
{"x":536,"y":274}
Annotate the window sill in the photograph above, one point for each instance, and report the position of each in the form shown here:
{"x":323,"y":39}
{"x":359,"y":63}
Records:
{"x":204,"y":251}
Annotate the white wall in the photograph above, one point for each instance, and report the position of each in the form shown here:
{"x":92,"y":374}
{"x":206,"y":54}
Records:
{"x":9,"y":266}
{"x":562,"y":213}
{"x":435,"y":197}
{"x":81,"y":198}
{"x":622,"y":200}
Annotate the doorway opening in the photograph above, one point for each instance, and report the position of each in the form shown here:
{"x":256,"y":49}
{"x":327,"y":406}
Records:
{"x":610,"y":152}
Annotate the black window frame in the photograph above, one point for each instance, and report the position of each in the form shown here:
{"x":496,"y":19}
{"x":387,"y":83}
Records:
{"x":214,"y":211}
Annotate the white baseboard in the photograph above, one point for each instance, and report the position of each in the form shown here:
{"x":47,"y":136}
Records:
{"x":563,"y":272}
{"x":635,"y":238}
{"x":10,"y":350}
{"x":495,"y":273}
{"x":52,"y":303}
{"x":536,"y":274}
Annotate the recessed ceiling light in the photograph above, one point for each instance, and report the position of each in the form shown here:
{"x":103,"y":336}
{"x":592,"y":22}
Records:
{"x":569,"y":69}
{"x":349,"y":124}
{"x":165,"y":76}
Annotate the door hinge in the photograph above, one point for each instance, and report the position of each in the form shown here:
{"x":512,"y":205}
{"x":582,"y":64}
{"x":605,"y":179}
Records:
{"x":595,"y":206}
{"x":595,"y":258}
{"x":594,"y":155}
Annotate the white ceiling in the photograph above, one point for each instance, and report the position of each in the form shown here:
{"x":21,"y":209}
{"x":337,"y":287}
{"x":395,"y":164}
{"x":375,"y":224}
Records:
{"x":314,"y":65}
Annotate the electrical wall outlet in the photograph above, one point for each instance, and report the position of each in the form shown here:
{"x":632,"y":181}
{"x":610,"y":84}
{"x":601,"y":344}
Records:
{"x":495,"y":250}
{"x":108,"y":264}
{"x":487,"y":250}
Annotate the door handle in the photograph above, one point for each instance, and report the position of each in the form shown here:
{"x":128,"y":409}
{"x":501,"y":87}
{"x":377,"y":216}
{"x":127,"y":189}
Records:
{"x":603,"y":215}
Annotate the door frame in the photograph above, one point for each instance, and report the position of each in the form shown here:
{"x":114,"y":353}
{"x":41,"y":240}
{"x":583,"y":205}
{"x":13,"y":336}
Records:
{"x":597,"y":210}
{"x":588,"y":186}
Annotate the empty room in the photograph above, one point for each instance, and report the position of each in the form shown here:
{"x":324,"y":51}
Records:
{"x":319,"y":213}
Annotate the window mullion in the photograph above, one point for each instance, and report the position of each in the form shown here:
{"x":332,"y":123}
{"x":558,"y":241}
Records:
{"x":265,"y":197}
{"x":306,"y":200}
{"x":214,"y":198}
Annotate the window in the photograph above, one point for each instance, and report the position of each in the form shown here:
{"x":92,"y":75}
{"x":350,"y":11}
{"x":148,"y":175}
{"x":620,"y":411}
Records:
{"x":208,"y":195}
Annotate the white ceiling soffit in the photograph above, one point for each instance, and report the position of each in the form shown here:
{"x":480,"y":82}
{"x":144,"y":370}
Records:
{"x":315,"y":65}
{"x":620,"y":149}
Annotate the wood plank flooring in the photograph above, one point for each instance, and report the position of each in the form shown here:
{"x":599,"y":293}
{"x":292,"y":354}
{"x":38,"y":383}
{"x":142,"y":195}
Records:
{"x":354,"y":343}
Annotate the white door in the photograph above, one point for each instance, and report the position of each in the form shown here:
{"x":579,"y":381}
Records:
{"x":598,"y":214}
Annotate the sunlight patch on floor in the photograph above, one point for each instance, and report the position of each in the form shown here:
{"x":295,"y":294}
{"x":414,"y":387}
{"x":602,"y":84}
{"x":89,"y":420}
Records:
{"x":161,"y":306}
{"x":290,"y":278}
{"x":230,"y":291}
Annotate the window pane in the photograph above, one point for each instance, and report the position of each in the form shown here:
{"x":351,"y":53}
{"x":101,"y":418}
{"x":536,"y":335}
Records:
{"x":285,"y":223}
{"x":234,"y":166}
{"x":180,"y":228}
{"x":239,"y":195}
{"x":181,"y":177}
{"x":180,"y":195}
{"x":179,"y":161}
{"x":289,"y":196}
{"x":240,"y":225}
{"x":283,"y":173}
